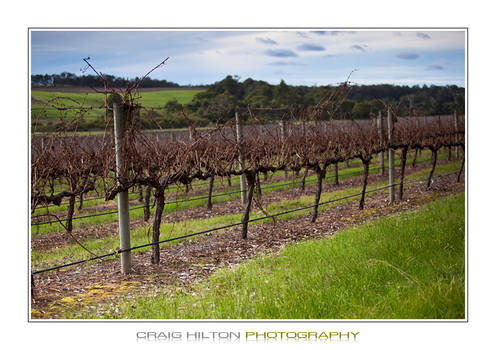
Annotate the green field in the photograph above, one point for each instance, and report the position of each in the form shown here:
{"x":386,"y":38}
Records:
{"x":160,"y":98}
{"x":43,"y":103}
{"x":148,"y":98}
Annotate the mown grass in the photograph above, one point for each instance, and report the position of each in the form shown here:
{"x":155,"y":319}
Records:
{"x":161,"y":97}
{"x":407,"y":266}
{"x":77,"y":99}
{"x":46,"y":258}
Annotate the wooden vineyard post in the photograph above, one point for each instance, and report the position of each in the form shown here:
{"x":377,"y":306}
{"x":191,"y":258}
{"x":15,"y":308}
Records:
{"x":239,"y":140}
{"x":282,"y":125}
{"x":191,"y":138}
{"x":122,"y":197}
{"x":336,"y":165}
{"x":391,"y":155}
{"x":190,"y":129}
{"x":380,"y":128}
{"x":458,"y":178}
{"x":305,"y":172}
{"x":417,"y":126}
{"x":455,"y":117}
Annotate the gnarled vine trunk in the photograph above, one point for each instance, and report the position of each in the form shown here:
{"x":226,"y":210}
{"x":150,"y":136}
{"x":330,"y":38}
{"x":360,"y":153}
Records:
{"x":431,"y":173}
{"x":159,"y":200}
{"x":70,"y":212}
{"x":257,"y":185}
{"x":414,"y":161}
{"x":210,"y":190}
{"x":140,"y":193}
{"x":250,"y":179}
{"x":336,"y":174}
{"x":303,"y":180}
{"x":321,"y":173}
{"x":366,"y":163}
{"x":80,"y":206}
{"x":458,"y":177}
{"x":404,"y":152}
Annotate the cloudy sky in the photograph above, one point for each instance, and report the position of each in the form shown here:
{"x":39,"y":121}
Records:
{"x":300,"y":57}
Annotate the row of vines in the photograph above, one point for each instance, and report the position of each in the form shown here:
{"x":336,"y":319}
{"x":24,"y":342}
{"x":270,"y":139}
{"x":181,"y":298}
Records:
{"x":67,"y":166}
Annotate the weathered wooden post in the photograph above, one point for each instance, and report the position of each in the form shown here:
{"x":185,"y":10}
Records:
{"x":305,"y":172}
{"x":190,"y":129}
{"x":282,"y":125}
{"x":239,"y":140}
{"x":391,"y":155}
{"x":380,"y":128}
{"x":336,"y":165}
{"x":410,"y":105}
{"x":458,"y":178}
{"x":122,"y":197}
{"x":417,"y":126}
{"x":188,"y":186}
{"x":455,"y":117}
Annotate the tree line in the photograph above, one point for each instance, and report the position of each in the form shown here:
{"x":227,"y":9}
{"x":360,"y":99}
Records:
{"x":71,"y":79}
{"x":220,"y":100}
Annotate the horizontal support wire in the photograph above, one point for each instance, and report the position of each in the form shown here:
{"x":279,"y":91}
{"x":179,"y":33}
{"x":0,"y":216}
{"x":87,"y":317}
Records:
{"x":115,"y":253}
